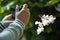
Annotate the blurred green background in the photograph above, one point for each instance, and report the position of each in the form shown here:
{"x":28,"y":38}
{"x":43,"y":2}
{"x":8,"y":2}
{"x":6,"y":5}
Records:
{"x":37,"y":8}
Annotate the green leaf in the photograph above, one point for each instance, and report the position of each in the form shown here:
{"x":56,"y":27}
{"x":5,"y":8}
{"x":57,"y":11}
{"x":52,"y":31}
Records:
{"x":51,"y":2}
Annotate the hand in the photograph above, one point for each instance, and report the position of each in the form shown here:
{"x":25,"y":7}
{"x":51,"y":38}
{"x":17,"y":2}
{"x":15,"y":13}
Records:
{"x":7,"y":20}
{"x":24,"y":14}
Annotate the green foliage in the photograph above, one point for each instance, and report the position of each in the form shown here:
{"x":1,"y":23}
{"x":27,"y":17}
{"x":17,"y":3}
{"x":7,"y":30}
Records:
{"x":52,"y":2}
{"x":37,"y":37}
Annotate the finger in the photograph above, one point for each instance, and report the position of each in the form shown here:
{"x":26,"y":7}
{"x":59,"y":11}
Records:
{"x":8,"y":17}
{"x":25,"y":6}
{"x":6,"y":23}
{"x":17,"y":8}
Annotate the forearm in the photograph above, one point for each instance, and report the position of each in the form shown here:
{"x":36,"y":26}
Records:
{"x":13,"y":32}
{"x":2,"y":27}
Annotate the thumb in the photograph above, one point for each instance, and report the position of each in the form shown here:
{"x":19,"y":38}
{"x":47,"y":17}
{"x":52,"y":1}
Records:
{"x":17,"y":8}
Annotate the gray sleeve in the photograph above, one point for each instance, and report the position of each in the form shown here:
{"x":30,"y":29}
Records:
{"x":13,"y":32}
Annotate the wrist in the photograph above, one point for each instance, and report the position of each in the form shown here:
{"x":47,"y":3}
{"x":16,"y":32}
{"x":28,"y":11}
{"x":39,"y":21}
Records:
{"x":20,"y":23}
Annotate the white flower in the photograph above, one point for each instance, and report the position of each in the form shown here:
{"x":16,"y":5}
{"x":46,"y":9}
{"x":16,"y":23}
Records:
{"x":46,"y":20}
{"x":51,"y":19}
{"x":43,"y":17}
{"x":39,"y":30}
{"x":39,"y":24}
{"x":40,"y":27}
{"x":36,"y":22}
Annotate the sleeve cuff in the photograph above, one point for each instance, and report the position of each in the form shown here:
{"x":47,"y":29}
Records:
{"x":20,"y":23}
